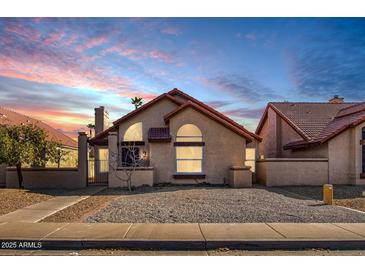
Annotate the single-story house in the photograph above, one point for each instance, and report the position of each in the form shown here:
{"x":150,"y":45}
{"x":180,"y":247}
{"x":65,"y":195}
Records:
{"x":174,"y":138}
{"x":10,"y":117}
{"x":312,"y":143}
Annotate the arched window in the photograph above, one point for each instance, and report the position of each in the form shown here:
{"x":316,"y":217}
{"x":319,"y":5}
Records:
{"x":130,"y":150}
{"x":363,"y":149}
{"x":133,"y":133}
{"x":189,"y":149}
{"x":189,"y":133}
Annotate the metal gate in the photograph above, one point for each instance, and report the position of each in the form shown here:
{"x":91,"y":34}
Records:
{"x":97,"y":171}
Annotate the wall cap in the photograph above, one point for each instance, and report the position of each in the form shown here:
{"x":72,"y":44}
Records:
{"x":43,"y":169}
{"x":240,"y":168}
{"x":293,"y":160}
{"x":136,"y":168}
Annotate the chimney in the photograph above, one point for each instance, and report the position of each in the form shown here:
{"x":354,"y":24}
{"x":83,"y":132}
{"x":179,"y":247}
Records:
{"x":336,"y":100}
{"x":101,"y":119}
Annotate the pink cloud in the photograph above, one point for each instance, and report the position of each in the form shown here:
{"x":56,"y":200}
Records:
{"x":92,"y":43}
{"x":122,"y":50}
{"x":160,"y":55}
{"x":25,"y":32}
{"x":53,"y":37}
{"x":65,"y":71}
{"x":69,"y":40}
{"x":171,"y":31}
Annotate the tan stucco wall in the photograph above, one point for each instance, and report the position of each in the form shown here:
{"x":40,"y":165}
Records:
{"x":35,"y":178}
{"x":276,"y":133}
{"x":140,"y":177}
{"x":151,"y":117}
{"x":345,"y":157}
{"x":45,"y":178}
{"x":286,"y":172}
{"x":240,"y":177}
{"x":223,"y":148}
{"x":358,"y":155}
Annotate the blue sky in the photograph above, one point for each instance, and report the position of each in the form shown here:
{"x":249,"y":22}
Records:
{"x":59,"y":69}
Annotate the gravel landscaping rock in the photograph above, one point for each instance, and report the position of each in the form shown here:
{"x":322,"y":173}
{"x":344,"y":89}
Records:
{"x":81,"y":210}
{"x":13,"y":199}
{"x":347,"y":196}
{"x":186,"y":204}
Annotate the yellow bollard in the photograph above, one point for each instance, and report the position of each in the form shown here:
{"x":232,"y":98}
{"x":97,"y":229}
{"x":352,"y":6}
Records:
{"x":328,"y":194}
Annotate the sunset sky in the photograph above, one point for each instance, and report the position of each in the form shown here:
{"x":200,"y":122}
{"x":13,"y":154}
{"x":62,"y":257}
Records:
{"x":59,"y":69}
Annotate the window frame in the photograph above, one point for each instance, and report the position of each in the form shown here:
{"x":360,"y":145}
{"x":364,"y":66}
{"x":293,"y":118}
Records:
{"x":187,"y":144}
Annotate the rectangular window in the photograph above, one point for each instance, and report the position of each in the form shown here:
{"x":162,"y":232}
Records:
{"x":250,"y":158}
{"x":189,"y":159}
{"x":103,"y":159}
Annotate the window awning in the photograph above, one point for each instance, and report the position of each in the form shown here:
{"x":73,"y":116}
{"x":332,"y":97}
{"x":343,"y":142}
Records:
{"x":159,"y":134}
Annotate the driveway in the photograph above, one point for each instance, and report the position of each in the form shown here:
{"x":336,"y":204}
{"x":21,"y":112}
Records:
{"x":192,"y":204}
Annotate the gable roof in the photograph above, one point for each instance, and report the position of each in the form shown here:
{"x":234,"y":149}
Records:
{"x":132,"y":114}
{"x":9,"y":117}
{"x":178,"y":92}
{"x":206,"y":112}
{"x":171,"y":95}
{"x":317,"y":122}
{"x":307,"y":119}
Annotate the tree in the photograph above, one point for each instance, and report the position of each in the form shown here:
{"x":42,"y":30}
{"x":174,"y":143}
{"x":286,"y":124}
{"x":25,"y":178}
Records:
{"x":137,"y":102}
{"x":59,"y":154}
{"x":25,"y":145}
{"x":130,"y":159}
{"x":90,"y":127}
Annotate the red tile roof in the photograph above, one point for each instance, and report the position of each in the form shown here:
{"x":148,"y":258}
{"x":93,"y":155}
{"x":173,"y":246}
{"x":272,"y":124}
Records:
{"x":9,"y":117}
{"x":205,"y":111}
{"x":131,"y":114}
{"x":171,"y":95}
{"x":159,"y":134}
{"x":176,"y":91}
{"x":317,"y":122}
{"x":308,"y":119}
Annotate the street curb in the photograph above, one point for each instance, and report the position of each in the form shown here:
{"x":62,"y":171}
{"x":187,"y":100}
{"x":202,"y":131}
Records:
{"x":193,"y":245}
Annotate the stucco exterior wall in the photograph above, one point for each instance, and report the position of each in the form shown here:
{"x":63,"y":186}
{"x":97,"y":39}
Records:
{"x":276,"y":133}
{"x":358,"y":155}
{"x":345,"y":157}
{"x":151,"y":117}
{"x":35,"y":178}
{"x":223,"y":148}
{"x":292,"y":172}
{"x":140,"y":177}
{"x":162,"y":159}
{"x":339,"y":158}
{"x":45,"y":178}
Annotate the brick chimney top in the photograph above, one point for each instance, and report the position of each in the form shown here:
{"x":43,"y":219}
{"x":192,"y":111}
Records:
{"x":336,"y":100}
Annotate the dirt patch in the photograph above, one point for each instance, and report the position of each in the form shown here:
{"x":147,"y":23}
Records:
{"x":80,"y":211}
{"x":13,"y":199}
{"x":356,"y":203}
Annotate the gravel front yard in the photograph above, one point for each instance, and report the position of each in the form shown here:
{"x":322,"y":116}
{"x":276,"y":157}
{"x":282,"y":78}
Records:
{"x":185,"y":204}
{"x":347,"y":196}
{"x":13,"y":199}
{"x":85,"y":208}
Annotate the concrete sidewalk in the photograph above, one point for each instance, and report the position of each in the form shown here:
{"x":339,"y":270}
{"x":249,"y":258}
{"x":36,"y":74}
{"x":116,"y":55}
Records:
{"x":35,"y":213}
{"x":250,"y":236}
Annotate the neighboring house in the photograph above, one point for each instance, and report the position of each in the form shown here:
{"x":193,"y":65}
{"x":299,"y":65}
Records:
{"x":180,"y":139}
{"x":9,"y":117}
{"x":312,"y":143}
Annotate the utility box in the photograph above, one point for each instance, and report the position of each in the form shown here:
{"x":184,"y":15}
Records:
{"x":328,"y":194}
